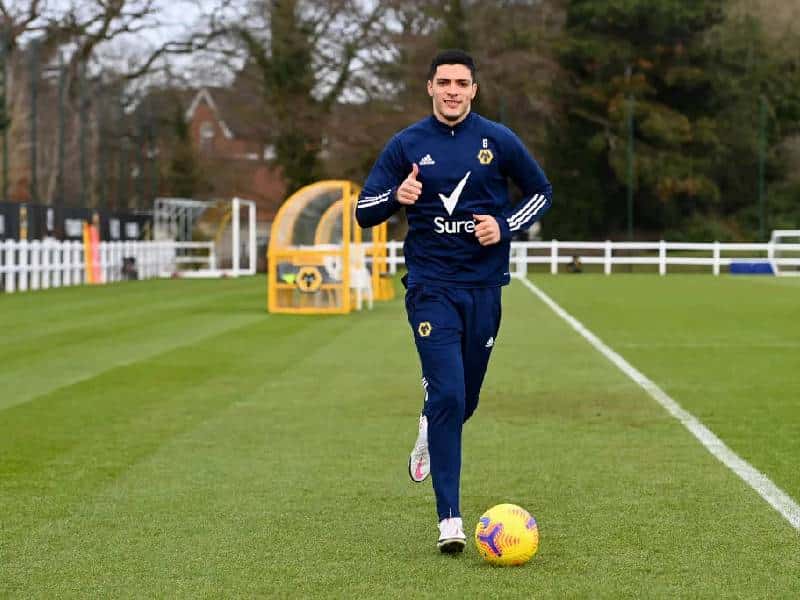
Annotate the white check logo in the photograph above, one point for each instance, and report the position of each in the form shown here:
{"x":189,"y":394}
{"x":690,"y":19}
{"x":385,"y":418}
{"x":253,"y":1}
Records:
{"x":451,"y":200}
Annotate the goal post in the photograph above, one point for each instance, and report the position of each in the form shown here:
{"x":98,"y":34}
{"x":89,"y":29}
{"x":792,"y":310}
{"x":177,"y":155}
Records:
{"x":210,"y":238}
{"x":237,"y":205}
{"x":784,"y":252}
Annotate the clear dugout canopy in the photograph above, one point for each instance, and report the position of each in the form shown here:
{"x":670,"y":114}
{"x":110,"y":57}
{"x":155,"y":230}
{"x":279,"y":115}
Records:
{"x":320,"y":260}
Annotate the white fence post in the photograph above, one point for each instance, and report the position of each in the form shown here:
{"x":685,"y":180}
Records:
{"x":236,"y":233}
{"x":66,"y":264}
{"x":522,"y":260}
{"x":65,"y":274}
{"x":47,"y":246}
{"x":121,"y":256}
{"x":554,"y":257}
{"x":771,"y":254}
{"x":141,"y":258}
{"x":607,"y":258}
{"x":10,"y":265}
{"x":662,"y":257}
{"x":58,"y":262}
{"x":251,"y":224}
{"x":212,"y":258}
{"x":68,"y":277}
{"x":124,"y":250}
{"x":108,"y":262}
{"x":151,"y":261}
{"x":392,"y":258}
{"x":22,"y":265}
{"x":36,"y":259}
{"x":116,"y":252}
{"x":78,"y":270}
{"x":68,"y":274}
{"x":111,"y":261}
{"x":158,"y":257}
{"x":716,"y":258}
{"x":132,"y":251}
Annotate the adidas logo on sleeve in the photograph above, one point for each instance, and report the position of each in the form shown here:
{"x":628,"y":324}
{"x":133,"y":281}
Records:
{"x":426,"y":160}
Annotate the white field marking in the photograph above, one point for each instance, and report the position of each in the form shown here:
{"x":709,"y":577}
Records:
{"x":776,"y":497}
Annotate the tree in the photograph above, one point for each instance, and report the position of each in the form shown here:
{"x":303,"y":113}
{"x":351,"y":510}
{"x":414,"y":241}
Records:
{"x":305,"y":54}
{"x":693,"y":76}
{"x":183,"y":177}
{"x":623,"y":55}
{"x":454,"y":30}
{"x":757,"y":82}
{"x":91,"y":37}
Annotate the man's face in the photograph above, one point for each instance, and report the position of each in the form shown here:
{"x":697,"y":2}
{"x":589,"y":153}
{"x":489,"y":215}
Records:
{"x":452,"y":91}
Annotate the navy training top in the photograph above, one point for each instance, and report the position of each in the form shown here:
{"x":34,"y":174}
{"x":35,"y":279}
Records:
{"x":464,"y":171}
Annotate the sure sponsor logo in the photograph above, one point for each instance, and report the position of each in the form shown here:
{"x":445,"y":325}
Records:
{"x":442,"y":225}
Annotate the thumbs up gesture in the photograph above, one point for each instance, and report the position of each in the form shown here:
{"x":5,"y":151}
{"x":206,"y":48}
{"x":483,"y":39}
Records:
{"x":410,"y":189}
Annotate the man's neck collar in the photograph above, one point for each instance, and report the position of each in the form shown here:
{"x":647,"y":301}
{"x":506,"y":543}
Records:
{"x":450,"y":127}
{"x":452,"y":124}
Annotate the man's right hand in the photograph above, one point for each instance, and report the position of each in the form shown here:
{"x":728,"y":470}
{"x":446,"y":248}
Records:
{"x":410,"y":189}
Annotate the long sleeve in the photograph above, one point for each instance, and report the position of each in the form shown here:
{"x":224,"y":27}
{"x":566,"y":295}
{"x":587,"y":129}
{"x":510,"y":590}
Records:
{"x":537,"y":192}
{"x":378,"y":201}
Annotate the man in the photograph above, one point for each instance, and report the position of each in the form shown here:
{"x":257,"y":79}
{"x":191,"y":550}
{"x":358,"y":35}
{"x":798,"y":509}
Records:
{"x":449,"y":173}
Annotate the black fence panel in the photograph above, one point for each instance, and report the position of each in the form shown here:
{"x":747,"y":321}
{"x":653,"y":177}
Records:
{"x":37,"y":221}
{"x":9,"y":221}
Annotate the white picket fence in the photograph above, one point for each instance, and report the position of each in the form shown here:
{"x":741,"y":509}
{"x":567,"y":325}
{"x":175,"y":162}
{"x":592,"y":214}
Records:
{"x":662,"y":255}
{"x":41,"y":264}
{"x":34,"y":265}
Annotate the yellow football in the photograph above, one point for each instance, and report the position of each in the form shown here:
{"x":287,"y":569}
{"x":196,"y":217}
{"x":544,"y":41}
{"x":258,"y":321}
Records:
{"x":507,"y":535}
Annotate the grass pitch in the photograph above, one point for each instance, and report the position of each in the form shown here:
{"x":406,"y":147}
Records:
{"x":171,"y":439}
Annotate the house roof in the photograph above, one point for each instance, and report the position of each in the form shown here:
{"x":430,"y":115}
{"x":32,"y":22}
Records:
{"x":240,"y":108}
{"x":204,"y":95}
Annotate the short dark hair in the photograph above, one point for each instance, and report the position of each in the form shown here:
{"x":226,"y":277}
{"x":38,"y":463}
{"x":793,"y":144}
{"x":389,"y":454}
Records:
{"x":452,"y":57}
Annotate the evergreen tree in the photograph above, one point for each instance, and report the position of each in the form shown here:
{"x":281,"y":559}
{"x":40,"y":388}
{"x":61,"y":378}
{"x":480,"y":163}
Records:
{"x":651,"y":59}
{"x":757,"y":87}
{"x":454,"y":32}
{"x":694,"y":81}
{"x":183,"y":176}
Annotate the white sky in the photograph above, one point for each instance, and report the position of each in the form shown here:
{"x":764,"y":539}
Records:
{"x":176,"y":19}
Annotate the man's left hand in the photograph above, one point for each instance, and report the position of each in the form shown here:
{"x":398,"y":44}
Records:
{"x":486,"y":230}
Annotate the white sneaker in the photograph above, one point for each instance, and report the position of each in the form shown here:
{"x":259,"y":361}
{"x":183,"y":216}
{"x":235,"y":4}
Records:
{"x":451,"y":536}
{"x":419,"y":463}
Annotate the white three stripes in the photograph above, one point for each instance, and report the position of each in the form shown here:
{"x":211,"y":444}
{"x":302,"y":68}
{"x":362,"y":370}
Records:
{"x":529,"y":209}
{"x":368,"y":201}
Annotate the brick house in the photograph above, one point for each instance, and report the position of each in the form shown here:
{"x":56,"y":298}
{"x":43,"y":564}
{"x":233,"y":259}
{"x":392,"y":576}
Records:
{"x":227,"y":126}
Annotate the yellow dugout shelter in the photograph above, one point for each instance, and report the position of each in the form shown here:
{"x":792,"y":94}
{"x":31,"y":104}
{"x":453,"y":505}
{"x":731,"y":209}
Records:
{"x":319,"y":260}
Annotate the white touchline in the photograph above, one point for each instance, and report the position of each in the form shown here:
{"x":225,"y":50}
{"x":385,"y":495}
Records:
{"x":776,"y":497}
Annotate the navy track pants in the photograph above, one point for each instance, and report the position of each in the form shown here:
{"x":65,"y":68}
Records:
{"x":454,"y":331}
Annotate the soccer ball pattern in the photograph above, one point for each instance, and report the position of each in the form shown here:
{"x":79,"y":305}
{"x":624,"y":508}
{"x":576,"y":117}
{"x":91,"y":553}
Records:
{"x":507,"y":535}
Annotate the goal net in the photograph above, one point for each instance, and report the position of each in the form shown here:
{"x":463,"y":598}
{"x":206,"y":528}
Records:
{"x":784,"y":250}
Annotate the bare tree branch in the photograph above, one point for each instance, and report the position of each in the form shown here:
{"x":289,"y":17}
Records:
{"x":201,"y":42}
